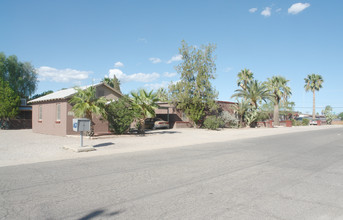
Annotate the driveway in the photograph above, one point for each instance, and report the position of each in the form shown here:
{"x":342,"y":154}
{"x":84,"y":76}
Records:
{"x":24,"y":146}
{"x":297,"y":175}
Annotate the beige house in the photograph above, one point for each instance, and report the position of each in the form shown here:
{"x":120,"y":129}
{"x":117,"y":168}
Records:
{"x":52,"y":114}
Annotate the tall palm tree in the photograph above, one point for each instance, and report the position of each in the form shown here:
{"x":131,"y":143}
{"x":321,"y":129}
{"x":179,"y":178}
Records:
{"x":144,"y":104}
{"x":244,"y":77}
{"x":255,"y":91}
{"x":277,"y":85}
{"x":86,"y":104}
{"x":313,"y":83}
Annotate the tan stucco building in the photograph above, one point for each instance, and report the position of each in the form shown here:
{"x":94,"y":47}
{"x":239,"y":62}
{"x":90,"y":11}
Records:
{"x":52,"y":114}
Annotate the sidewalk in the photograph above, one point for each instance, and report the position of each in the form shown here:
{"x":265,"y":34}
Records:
{"x":24,"y":146}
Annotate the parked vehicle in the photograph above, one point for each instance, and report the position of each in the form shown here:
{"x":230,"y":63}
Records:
{"x":314,"y":122}
{"x":156,"y":123}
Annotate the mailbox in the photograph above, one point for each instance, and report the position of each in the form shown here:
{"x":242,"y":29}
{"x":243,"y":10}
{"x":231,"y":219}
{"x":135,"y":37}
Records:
{"x":81,"y":124}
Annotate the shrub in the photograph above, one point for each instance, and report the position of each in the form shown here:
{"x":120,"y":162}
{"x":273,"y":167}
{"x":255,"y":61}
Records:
{"x":120,"y":115}
{"x":305,"y":122}
{"x":213,"y":122}
{"x":296,"y":123}
{"x":228,"y":119}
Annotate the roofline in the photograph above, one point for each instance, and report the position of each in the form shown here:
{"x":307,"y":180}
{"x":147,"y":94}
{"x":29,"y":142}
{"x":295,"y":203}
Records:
{"x":69,"y":96}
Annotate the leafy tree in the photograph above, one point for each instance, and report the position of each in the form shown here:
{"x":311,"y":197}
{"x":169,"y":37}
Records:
{"x":194,"y":94}
{"x":255,"y":91}
{"x":280,"y":91}
{"x":313,"y":83}
{"x":41,"y":94}
{"x":329,"y":116}
{"x":22,"y":77}
{"x":120,"y":115}
{"x":162,"y":95}
{"x":340,"y":115}
{"x":9,"y":102}
{"x":114,"y":82}
{"x":144,"y":104}
{"x":86,"y":104}
{"x":244,"y":77}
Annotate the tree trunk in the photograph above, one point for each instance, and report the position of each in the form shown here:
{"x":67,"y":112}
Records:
{"x":276,"y":115}
{"x":142,"y":129}
{"x":314,"y":105}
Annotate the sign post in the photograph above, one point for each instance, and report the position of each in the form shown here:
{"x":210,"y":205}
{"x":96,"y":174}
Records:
{"x":81,"y":125}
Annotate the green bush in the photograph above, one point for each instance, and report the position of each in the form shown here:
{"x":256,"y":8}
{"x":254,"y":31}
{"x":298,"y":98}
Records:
{"x":213,"y":122}
{"x":120,"y":115}
{"x":305,"y":122}
{"x":229,"y":120}
{"x":296,"y":123}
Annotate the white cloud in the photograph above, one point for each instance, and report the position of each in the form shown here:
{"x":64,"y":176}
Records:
{"x":175,"y":58}
{"x":143,"y":40}
{"x":167,"y":74}
{"x":46,"y":73}
{"x":267,"y":12}
{"x":298,"y":7}
{"x":136,"y":77}
{"x":118,"y":64}
{"x":155,"y":60}
{"x":156,"y":86}
{"x":252,"y":10}
{"x":228,"y":69}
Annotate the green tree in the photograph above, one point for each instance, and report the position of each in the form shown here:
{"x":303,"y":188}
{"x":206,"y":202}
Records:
{"x":280,"y":91}
{"x":144,"y":104}
{"x":244,"y":77}
{"x":194,"y":94}
{"x":255,"y":91}
{"x":22,"y":77}
{"x":240,"y":109}
{"x":120,"y":115}
{"x":86,"y":104}
{"x":329,"y":116}
{"x":113,"y":82}
{"x":162,"y":95}
{"x":9,"y":102}
{"x":340,"y":115}
{"x":313,"y":83}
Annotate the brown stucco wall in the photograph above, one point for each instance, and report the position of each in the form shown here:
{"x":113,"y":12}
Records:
{"x":48,"y":124}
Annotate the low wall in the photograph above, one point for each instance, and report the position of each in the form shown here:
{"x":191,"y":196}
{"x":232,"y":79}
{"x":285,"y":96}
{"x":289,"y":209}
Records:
{"x":337,"y":123}
{"x":182,"y":124}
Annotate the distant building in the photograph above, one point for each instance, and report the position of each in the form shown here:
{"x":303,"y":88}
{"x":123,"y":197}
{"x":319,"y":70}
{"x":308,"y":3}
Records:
{"x":52,"y":114}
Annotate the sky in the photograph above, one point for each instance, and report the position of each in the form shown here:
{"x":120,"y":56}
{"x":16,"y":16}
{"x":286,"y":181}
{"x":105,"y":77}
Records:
{"x":79,"y":42}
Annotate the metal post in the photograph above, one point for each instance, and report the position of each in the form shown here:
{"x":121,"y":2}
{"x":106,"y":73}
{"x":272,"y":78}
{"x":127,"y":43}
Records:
{"x":81,"y":136}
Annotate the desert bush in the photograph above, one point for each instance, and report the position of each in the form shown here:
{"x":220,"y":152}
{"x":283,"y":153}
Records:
{"x":120,"y":115}
{"x":229,"y":120}
{"x":296,"y":123}
{"x":213,"y":122}
{"x":305,"y":122}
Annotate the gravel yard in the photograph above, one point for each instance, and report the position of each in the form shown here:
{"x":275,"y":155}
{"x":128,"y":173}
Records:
{"x":24,"y":146}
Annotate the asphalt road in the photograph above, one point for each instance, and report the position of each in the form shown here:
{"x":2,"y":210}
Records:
{"x":290,"y":176}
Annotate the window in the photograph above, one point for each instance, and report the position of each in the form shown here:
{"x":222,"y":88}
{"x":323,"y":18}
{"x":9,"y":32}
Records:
{"x":58,"y":112}
{"x":40,"y":113}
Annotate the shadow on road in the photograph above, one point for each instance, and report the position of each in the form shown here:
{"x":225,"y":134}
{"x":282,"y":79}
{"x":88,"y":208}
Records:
{"x":99,"y":213}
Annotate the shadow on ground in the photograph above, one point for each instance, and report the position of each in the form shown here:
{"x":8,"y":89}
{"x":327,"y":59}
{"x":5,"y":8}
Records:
{"x":100,"y":213}
{"x":104,"y":144}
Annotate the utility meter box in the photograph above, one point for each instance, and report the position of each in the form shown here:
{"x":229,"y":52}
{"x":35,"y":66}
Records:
{"x":81,"y":124}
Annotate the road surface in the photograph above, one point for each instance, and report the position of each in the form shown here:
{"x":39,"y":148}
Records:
{"x":289,"y":176}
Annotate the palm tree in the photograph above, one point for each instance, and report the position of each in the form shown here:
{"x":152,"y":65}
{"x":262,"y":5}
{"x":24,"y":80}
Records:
{"x":277,"y":85}
{"x":240,"y":109}
{"x":85,"y":104}
{"x":114,"y":82}
{"x":244,"y":77}
{"x":254,"y":92}
{"x":313,"y":83}
{"x":144,"y":104}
